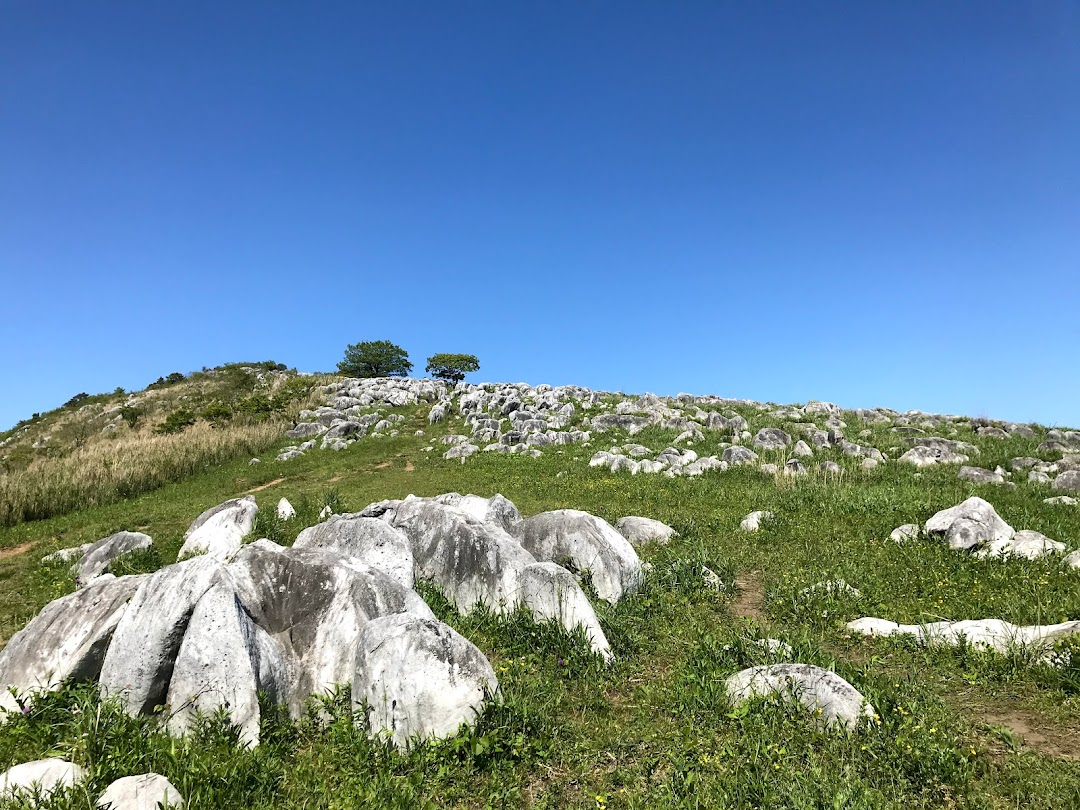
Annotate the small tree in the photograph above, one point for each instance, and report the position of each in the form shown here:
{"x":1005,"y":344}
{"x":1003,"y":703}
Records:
{"x":375,"y":358}
{"x":452,"y":367}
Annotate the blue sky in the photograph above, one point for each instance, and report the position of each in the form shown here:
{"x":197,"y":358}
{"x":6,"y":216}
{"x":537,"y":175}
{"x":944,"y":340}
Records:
{"x":870,"y":203}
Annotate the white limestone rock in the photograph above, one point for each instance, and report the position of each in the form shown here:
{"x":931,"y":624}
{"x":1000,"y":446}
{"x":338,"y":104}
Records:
{"x":66,"y":640}
{"x":591,"y":543}
{"x":220,"y":530}
{"x":42,"y":776}
{"x":643,"y":531}
{"x":418,"y":679}
{"x":822,"y":692}
{"x":968,"y":525}
{"x":147,"y":791}
{"x":753,"y":521}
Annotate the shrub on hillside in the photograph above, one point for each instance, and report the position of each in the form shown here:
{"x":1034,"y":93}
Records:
{"x":176,"y":421}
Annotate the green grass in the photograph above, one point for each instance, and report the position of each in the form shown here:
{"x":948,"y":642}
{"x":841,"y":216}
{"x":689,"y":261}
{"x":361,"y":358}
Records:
{"x":655,"y":729}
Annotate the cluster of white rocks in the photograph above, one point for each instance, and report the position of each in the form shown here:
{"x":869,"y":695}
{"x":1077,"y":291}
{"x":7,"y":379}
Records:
{"x":975,"y":526}
{"x":526,"y":419}
{"x":234,"y":618}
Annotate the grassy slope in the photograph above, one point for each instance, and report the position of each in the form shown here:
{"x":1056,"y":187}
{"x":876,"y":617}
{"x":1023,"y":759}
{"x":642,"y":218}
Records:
{"x":655,"y":730}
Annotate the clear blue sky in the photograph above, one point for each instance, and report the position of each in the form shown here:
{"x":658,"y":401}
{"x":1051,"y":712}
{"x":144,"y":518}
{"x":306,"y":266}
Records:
{"x":870,"y":203}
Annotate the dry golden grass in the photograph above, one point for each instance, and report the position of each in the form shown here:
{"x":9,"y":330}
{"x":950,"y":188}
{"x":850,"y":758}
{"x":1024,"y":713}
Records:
{"x":108,"y":471}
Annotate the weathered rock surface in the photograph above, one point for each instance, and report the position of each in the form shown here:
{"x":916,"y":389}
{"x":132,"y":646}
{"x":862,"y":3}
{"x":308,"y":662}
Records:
{"x":147,"y":791}
{"x":220,"y":530}
{"x":737,"y":455}
{"x":369,"y":540}
{"x":929,"y":456}
{"x":1068,"y":481}
{"x":44,"y":776}
{"x":315,"y":621}
{"x":552,"y":593}
{"x":993,"y":634}
{"x":820,"y":691}
{"x":968,"y":525}
{"x":417,"y":678}
{"x":66,"y":640}
{"x":1025,"y":543}
{"x":224,"y":661}
{"x":980,"y":476}
{"x":99,"y":556}
{"x":591,"y":543}
{"x":139,"y":662}
{"x":771,"y":439}
{"x":901,"y":534}
{"x":643,"y":531}
{"x":753,"y":521}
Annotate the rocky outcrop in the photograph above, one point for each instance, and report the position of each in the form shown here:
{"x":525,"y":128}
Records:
{"x":590,"y":543}
{"x":67,"y":640}
{"x":220,"y":530}
{"x":417,"y":678}
{"x":821,"y":692}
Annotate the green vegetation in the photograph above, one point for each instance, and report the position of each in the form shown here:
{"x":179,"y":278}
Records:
{"x":958,"y":728}
{"x":375,"y":358}
{"x":452,"y":367}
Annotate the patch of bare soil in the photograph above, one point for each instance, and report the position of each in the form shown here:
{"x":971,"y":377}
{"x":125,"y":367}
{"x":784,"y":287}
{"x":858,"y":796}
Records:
{"x":1034,"y":733}
{"x":409,"y":466}
{"x":267,"y":485}
{"x":749,"y":603}
{"x":15,"y":551}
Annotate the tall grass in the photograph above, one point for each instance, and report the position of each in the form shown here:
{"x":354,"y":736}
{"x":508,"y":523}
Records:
{"x":106,"y":472}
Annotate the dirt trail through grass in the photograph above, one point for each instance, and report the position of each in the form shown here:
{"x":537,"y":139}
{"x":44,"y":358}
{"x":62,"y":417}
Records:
{"x":267,"y":485}
{"x":750,"y":602}
{"x":15,"y":551}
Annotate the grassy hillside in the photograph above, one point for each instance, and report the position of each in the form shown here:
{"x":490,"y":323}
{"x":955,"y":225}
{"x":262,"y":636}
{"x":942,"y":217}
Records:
{"x":102,"y":448}
{"x":957,"y":728}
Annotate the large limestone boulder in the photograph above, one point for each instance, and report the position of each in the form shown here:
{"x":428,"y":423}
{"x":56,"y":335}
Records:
{"x":42,"y":776}
{"x":147,"y":791}
{"x":372,"y":541}
{"x":929,"y":456}
{"x":968,"y":525}
{"x":771,"y":439}
{"x":220,"y":530}
{"x":643,"y":531}
{"x":471,"y":562}
{"x":66,"y":640}
{"x":417,"y":678}
{"x":99,"y":556}
{"x":477,"y":562}
{"x":820,"y":691}
{"x":1068,"y":481}
{"x":139,"y":662}
{"x":737,"y":455}
{"x":315,"y":622}
{"x":224,"y":661}
{"x":552,"y":593}
{"x":591,"y":543}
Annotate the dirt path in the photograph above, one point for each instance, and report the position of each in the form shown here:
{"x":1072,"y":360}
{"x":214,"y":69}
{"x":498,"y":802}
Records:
{"x":261,"y":487}
{"x":1033,"y":733}
{"x":750,"y":601}
{"x":15,"y":551}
